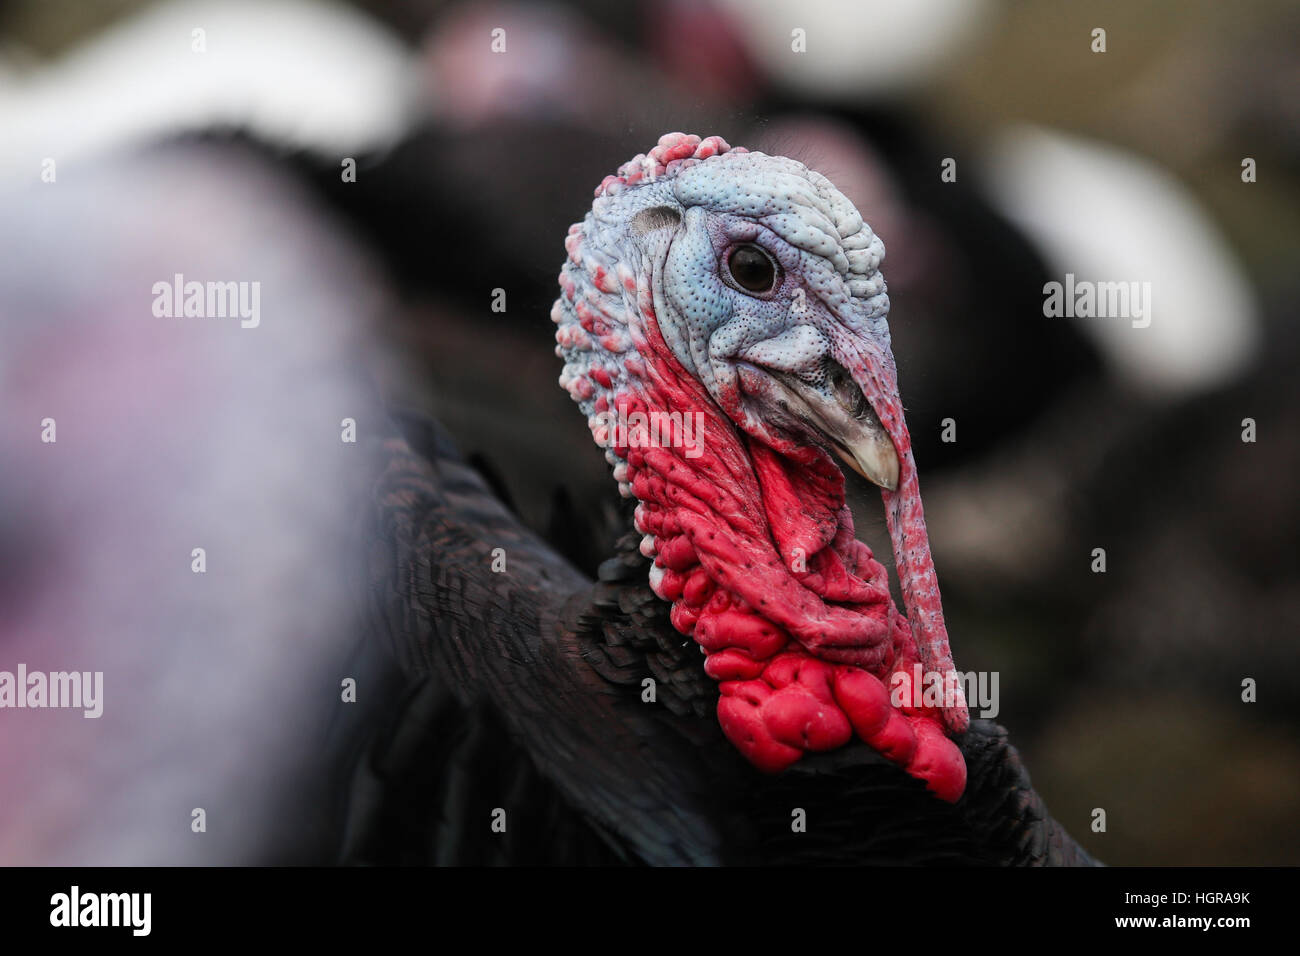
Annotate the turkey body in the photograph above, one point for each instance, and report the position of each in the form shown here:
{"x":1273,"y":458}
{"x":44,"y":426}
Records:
{"x":525,"y":731}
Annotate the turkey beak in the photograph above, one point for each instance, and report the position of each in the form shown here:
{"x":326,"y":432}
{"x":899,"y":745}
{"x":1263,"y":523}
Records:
{"x":873,"y":457}
{"x":840,"y":412}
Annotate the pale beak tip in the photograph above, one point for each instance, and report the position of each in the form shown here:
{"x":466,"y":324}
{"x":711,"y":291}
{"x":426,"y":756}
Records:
{"x":875,"y":460}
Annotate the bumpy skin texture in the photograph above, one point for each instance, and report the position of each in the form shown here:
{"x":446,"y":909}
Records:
{"x":744,"y":516}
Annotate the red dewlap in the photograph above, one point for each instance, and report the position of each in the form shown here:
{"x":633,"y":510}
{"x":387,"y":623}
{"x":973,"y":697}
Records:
{"x":730,"y":592}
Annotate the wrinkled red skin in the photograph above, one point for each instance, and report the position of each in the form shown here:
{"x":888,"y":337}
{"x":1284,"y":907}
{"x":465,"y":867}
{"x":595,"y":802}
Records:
{"x":804,"y":653}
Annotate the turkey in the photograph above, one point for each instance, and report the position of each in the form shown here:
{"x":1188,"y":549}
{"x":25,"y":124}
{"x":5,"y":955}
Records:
{"x":736,"y":686}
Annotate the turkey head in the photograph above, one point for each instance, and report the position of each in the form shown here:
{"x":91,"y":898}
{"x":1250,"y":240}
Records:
{"x":722,"y":319}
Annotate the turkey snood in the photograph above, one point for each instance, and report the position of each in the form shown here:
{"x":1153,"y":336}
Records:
{"x":723,"y":326}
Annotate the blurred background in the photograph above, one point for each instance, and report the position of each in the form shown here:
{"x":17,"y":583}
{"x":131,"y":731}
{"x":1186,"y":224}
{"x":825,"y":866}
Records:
{"x":142,"y":139}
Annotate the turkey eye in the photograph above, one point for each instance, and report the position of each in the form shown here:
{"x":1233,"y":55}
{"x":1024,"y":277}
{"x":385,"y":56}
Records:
{"x":752,"y":269}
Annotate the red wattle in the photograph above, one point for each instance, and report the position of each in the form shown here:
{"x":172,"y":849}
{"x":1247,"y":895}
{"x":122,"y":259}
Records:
{"x":805,"y":643}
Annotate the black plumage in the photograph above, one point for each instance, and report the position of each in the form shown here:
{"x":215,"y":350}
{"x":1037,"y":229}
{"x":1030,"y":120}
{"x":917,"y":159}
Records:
{"x":526,"y":695}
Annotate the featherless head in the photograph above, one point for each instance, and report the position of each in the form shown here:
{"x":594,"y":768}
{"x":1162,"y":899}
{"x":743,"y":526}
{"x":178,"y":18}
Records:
{"x":722,"y":319}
